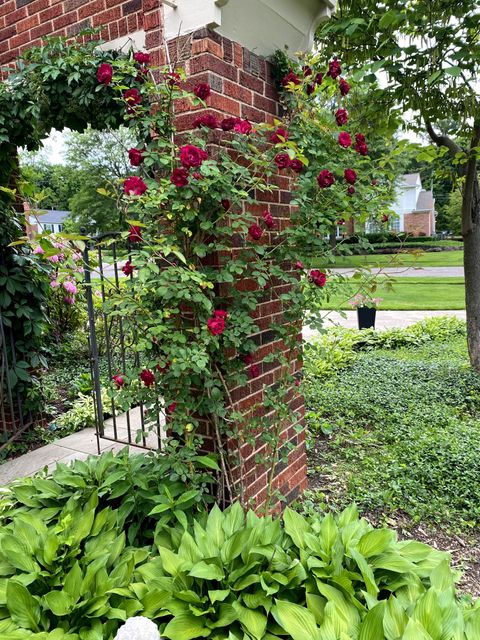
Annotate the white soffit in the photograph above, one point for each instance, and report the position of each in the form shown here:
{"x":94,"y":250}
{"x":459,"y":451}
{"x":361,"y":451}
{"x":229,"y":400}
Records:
{"x":135,"y":40}
{"x":260,"y":25}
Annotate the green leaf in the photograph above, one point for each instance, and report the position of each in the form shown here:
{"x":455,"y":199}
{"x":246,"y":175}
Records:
{"x":254,"y":622}
{"x":372,"y":625}
{"x":59,"y":602}
{"x":185,"y":626}
{"x":375,"y":542}
{"x":297,"y":621}
{"x":395,"y":619}
{"x":23,"y":608}
{"x":207,"y":571}
{"x":296,"y":526}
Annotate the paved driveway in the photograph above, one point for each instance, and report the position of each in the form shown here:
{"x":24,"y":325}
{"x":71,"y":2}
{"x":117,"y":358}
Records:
{"x":411,"y":272}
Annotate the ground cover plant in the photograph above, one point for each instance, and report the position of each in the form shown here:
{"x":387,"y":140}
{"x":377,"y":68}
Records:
{"x":401,"y":293}
{"x":118,"y":536}
{"x":394,"y":424}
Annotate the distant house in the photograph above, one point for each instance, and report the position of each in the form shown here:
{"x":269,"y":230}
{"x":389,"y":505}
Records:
{"x":52,"y":220}
{"x":414,"y":206}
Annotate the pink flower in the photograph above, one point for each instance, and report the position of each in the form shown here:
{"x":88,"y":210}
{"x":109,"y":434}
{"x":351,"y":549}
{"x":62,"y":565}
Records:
{"x":297,"y":382}
{"x":291,"y":77}
{"x":202,"y":90}
{"x":179,"y":177}
{"x":147,"y":377}
{"x":118,"y":380}
{"x":141,"y":57}
{"x":317,"y":277}
{"x":341,"y":116}
{"x":191,"y":156}
{"x":54,"y":284}
{"x":298,"y":264}
{"x":134,"y":186}
{"x":344,"y":139}
{"x":350,"y":176}
{"x":55,"y":258}
{"x":38,"y":250}
{"x":282,"y":160}
{"x":135,"y":156}
{"x":268,"y":219}
{"x":343,"y":86}
{"x":128,"y":268}
{"x":296,"y":165}
{"x":132,"y":97}
{"x":254,"y":371}
{"x":229,"y":123}
{"x":279,"y":136}
{"x":135,"y":233}
{"x":216,"y":325}
{"x":325,"y":179}
{"x":207,"y":120}
{"x":255,"y":232}
{"x":105,"y":73}
{"x":243,"y":126}
{"x":76,"y":256}
{"x":70,"y":287}
{"x":69,"y":300}
{"x":334,"y":69}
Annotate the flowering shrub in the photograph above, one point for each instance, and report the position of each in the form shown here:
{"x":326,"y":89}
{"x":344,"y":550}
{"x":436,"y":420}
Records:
{"x":204,"y":250}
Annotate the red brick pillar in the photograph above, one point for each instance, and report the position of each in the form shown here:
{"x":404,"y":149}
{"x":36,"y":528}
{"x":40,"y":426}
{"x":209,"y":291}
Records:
{"x":242,"y":85}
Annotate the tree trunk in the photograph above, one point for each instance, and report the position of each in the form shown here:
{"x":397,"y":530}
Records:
{"x":471,"y":262}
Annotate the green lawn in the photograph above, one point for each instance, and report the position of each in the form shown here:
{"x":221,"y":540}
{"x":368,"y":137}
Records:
{"x":407,"y":294}
{"x":408,"y":258}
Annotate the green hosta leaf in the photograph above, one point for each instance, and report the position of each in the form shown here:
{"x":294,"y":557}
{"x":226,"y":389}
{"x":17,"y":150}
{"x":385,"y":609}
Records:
{"x":472,"y":624}
{"x":372,"y":625}
{"x":296,"y":526}
{"x":254,"y":622}
{"x":428,"y":613}
{"x":73,"y":582}
{"x":214,"y":528}
{"x":59,"y":602}
{"x":393,"y":562}
{"x":17,"y":554}
{"x":206,"y":571}
{"x":328,"y":533}
{"x":23,"y":608}
{"x":375,"y":542}
{"x":171,"y":562}
{"x":233,"y":519}
{"x":415,"y":631}
{"x":395,"y":619}
{"x":218,"y":595}
{"x":297,"y":621}
{"x":186,"y":627}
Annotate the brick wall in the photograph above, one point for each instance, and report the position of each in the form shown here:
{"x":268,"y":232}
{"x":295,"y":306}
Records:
{"x":418,"y":224}
{"x":242,"y":86}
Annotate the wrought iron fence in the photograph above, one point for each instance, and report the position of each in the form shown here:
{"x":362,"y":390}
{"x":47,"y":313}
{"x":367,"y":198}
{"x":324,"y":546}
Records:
{"x":14,"y":418}
{"x":112,"y":347}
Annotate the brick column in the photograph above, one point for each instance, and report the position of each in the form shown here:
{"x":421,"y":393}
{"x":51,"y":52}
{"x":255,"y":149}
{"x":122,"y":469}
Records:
{"x":242,"y":86}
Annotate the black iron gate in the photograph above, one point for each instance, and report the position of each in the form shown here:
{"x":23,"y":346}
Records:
{"x":112,"y":347}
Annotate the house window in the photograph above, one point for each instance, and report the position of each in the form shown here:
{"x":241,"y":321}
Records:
{"x":394,"y":225}
{"x":60,"y":228}
{"x":48,"y":227}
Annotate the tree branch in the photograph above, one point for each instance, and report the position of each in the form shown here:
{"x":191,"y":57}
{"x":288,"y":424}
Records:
{"x":442,"y":140}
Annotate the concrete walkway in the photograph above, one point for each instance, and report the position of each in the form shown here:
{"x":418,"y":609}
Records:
{"x":384,"y":320}
{"x":410,"y":272}
{"x":77,"y":446}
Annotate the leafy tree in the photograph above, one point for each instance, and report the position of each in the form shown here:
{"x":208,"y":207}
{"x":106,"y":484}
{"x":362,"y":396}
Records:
{"x":92,"y":210}
{"x":429,"y":51}
{"x":452,"y":212}
{"x":103,"y":152}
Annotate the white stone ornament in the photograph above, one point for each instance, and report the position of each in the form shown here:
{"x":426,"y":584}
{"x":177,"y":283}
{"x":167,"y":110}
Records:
{"x":138,"y":628}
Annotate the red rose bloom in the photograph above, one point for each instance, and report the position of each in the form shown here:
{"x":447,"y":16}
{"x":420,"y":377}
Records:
{"x":297,"y":382}
{"x":268,"y":219}
{"x":319,"y":78}
{"x":119,"y":381}
{"x":141,"y":57}
{"x":340,"y":222}
{"x":191,"y":156}
{"x":255,"y":232}
{"x":128,"y":268}
{"x":318,"y":278}
{"x":343,"y":86}
{"x":165,"y":368}
{"x":298,"y":264}
{"x":243,"y":126}
{"x":325,"y":179}
{"x":290,"y":77}
{"x":105,"y":73}
{"x":216,"y":325}
{"x":362,"y":149}
{"x":132,"y":97}
{"x":374,"y":182}
{"x":202,"y":90}
{"x":179,"y":177}
{"x":135,"y":233}
{"x":350,"y":176}
{"x":296,"y":165}
{"x":135,"y":156}
{"x":341,"y":116}
{"x":228,"y":124}
{"x":334,"y":69}
{"x":226,"y":204}
{"x":208,"y":120}
{"x":172,"y":78}
{"x":278,"y":136}
{"x":310,"y":88}
{"x":351,"y":190}
{"x":385,"y":218}
{"x":344,"y":139}
{"x":307,"y":71}
{"x":248,"y":359}
{"x":171,"y":407}
{"x":134,"y":186}
{"x":219,"y":313}
{"x":254,"y":371}
{"x":147,"y":377}
{"x":282,"y":160}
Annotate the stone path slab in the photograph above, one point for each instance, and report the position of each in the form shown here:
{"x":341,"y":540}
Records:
{"x":409,"y":272}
